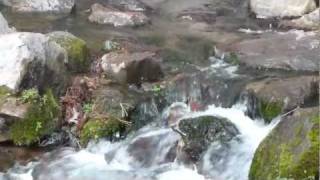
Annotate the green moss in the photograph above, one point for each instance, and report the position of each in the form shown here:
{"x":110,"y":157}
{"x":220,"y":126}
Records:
{"x":308,"y":166}
{"x":4,"y":92}
{"x":233,"y":59}
{"x":285,"y":161}
{"x":39,"y":120}
{"x":270,"y":110}
{"x":78,"y":54}
{"x":98,"y":128}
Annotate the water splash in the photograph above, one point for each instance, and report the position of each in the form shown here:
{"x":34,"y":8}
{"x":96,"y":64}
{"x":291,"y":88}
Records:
{"x":150,"y":154}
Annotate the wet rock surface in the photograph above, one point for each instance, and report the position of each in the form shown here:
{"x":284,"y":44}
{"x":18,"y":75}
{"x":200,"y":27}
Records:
{"x":310,"y":21}
{"x":281,"y":95}
{"x":132,"y":68}
{"x":110,"y":16}
{"x":199,"y":132}
{"x":293,"y":50}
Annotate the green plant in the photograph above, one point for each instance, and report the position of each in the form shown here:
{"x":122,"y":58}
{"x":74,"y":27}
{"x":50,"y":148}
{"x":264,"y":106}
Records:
{"x":30,"y":95}
{"x":98,"y":128}
{"x":87,"y":108}
{"x":39,"y":119}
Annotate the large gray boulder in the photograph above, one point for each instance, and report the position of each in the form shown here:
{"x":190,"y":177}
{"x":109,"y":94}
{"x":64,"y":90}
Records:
{"x":281,"y":8}
{"x":307,"y":21}
{"x":28,"y":6}
{"x":106,"y":15}
{"x":31,"y":60}
{"x":293,"y":50}
{"x":4,"y":27}
{"x":291,"y":150}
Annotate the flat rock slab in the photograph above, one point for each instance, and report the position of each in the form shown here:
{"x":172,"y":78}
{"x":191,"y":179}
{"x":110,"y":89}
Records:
{"x":293,"y":50}
{"x":107,"y":15}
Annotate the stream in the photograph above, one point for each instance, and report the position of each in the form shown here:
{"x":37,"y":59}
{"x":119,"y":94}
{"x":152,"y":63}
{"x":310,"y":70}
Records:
{"x":195,"y":40}
{"x":145,"y":155}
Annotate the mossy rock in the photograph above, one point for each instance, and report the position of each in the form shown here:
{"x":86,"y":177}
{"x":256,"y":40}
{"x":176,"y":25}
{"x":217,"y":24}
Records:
{"x":40,"y":119}
{"x":270,"y":110}
{"x":4,"y":93}
{"x":291,"y":151}
{"x":95,"y":129}
{"x":78,"y":53}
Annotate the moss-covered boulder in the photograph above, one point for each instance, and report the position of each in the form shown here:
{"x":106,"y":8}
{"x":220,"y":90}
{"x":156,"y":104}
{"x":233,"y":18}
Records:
{"x":199,"y":132}
{"x":276,"y":96}
{"x":39,"y":119}
{"x":291,"y":151}
{"x":78,"y":53}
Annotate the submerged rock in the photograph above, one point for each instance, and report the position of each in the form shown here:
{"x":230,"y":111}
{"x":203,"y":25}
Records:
{"x":106,"y":15}
{"x":308,"y":21}
{"x":78,"y":53}
{"x":132,"y":68}
{"x":281,"y":95}
{"x":31,"y":60}
{"x":199,"y":132}
{"x":4,"y":27}
{"x":28,"y":6}
{"x":281,"y":8}
{"x":293,"y":50}
{"x":291,"y":150}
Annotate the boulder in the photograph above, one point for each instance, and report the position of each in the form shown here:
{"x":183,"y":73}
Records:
{"x":199,"y":132}
{"x":293,"y":50}
{"x":78,"y":53}
{"x":281,"y":8}
{"x":281,"y":95}
{"x":32,"y":6}
{"x":31,"y":60}
{"x":132,"y":68}
{"x":291,"y":150}
{"x":4,"y":27}
{"x":11,"y":111}
{"x":106,"y":15}
{"x":309,"y":21}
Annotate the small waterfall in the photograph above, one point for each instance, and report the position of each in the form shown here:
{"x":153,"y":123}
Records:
{"x":150,"y":153}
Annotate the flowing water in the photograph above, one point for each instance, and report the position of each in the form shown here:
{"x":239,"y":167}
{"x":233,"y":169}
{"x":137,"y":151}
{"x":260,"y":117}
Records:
{"x":149,"y":154}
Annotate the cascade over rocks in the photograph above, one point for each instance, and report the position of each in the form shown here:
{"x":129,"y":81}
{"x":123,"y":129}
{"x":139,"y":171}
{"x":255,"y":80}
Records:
{"x":281,"y":95}
{"x":199,"y":132}
{"x":31,"y":60}
{"x":291,"y":150}
{"x":40,"y":6}
{"x":4,"y":27}
{"x":106,"y":15}
{"x":281,"y":8}
{"x":293,"y":50}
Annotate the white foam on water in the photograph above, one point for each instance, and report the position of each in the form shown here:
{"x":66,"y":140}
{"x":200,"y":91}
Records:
{"x":92,"y":162}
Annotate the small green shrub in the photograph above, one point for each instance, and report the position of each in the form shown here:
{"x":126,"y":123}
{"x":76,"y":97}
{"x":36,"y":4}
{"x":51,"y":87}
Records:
{"x":39,"y":120}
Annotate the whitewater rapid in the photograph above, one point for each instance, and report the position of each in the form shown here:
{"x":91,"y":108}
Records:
{"x":143,"y":155}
